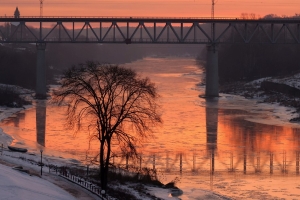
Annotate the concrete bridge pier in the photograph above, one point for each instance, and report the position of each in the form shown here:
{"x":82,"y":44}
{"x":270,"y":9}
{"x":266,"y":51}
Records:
{"x":212,"y":72}
{"x":41,"y":89}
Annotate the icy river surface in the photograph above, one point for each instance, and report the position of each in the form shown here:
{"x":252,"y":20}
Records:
{"x":229,"y":145}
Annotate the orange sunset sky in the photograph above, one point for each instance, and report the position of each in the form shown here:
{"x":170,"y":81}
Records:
{"x":151,"y":8}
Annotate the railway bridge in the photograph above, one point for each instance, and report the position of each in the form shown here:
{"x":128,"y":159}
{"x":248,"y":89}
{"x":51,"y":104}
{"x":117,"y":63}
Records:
{"x":145,"y":30}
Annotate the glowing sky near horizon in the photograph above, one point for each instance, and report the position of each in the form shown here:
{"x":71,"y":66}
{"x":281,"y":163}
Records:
{"x":151,"y":8}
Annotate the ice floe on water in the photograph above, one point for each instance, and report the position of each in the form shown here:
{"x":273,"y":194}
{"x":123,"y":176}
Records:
{"x":263,"y":113}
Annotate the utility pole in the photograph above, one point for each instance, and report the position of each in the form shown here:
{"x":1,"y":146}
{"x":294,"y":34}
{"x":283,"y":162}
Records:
{"x":213,"y":9}
{"x":41,"y":8}
{"x":41,"y":162}
{"x":212,"y":15}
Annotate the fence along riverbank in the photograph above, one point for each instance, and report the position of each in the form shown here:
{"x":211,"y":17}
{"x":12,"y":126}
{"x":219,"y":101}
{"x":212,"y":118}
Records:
{"x":72,"y":173}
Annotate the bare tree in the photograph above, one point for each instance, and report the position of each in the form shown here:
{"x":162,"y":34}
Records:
{"x":118,"y":104}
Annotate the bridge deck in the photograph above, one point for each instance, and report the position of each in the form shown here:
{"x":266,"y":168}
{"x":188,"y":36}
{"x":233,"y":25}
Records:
{"x":129,"y":30}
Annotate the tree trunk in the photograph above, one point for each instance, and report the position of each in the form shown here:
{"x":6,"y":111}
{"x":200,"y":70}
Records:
{"x":104,"y":175}
{"x":104,"y":164}
{"x":103,"y":172}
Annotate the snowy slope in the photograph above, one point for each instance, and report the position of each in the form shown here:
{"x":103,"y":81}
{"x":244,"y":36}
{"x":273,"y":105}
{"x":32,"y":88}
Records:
{"x":19,"y":185}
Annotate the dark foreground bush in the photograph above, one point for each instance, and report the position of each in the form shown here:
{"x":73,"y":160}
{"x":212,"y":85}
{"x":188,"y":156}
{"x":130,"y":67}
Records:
{"x":11,"y":98}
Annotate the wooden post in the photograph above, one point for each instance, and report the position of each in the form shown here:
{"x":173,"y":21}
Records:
{"x":153,"y":161}
{"x":271,"y":163}
{"x":141,"y":162}
{"x":41,"y":162}
{"x":258,"y":163}
{"x":212,"y":162}
{"x":297,"y":162}
{"x":231,"y":162}
{"x":284,"y":170}
{"x":87,"y":170}
{"x":180,"y":163}
{"x":245,"y":162}
{"x":167,"y":163}
{"x":194,"y":162}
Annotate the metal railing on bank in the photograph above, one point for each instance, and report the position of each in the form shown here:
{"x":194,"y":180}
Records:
{"x":84,"y":183}
{"x":75,"y":174}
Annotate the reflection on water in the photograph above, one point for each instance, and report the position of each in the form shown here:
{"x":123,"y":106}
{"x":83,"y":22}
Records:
{"x":211,"y":127}
{"x":195,"y":142}
{"x":211,"y":131}
{"x":16,"y":120}
{"x":41,"y":122}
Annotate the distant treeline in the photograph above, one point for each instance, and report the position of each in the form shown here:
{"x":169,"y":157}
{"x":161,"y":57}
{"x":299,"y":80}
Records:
{"x":18,"y":61}
{"x":252,"y":61}
{"x":62,"y":56}
{"x":10,"y":97}
{"x":17,"y":66}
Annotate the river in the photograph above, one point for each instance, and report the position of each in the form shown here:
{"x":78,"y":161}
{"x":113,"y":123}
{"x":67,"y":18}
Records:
{"x":230,"y":145}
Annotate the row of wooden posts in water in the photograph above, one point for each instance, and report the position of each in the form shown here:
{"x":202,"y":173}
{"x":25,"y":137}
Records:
{"x":214,"y":162}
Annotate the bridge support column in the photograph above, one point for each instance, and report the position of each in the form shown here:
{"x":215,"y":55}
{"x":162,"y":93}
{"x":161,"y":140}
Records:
{"x":212,"y":72}
{"x":41,"y":89}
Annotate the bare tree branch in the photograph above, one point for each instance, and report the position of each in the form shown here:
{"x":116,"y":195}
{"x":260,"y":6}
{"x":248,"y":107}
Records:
{"x":114,"y":103}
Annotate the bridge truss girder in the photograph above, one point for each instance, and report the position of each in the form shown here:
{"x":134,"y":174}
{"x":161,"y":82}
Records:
{"x":147,"y":30}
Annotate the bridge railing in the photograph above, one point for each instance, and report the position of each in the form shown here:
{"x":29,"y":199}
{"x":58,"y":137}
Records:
{"x":118,"y":17}
{"x":217,"y":19}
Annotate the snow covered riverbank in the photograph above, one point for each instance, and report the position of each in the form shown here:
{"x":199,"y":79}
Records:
{"x":19,"y":185}
{"x":52,"y":186}
{"x":283,"y":107}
